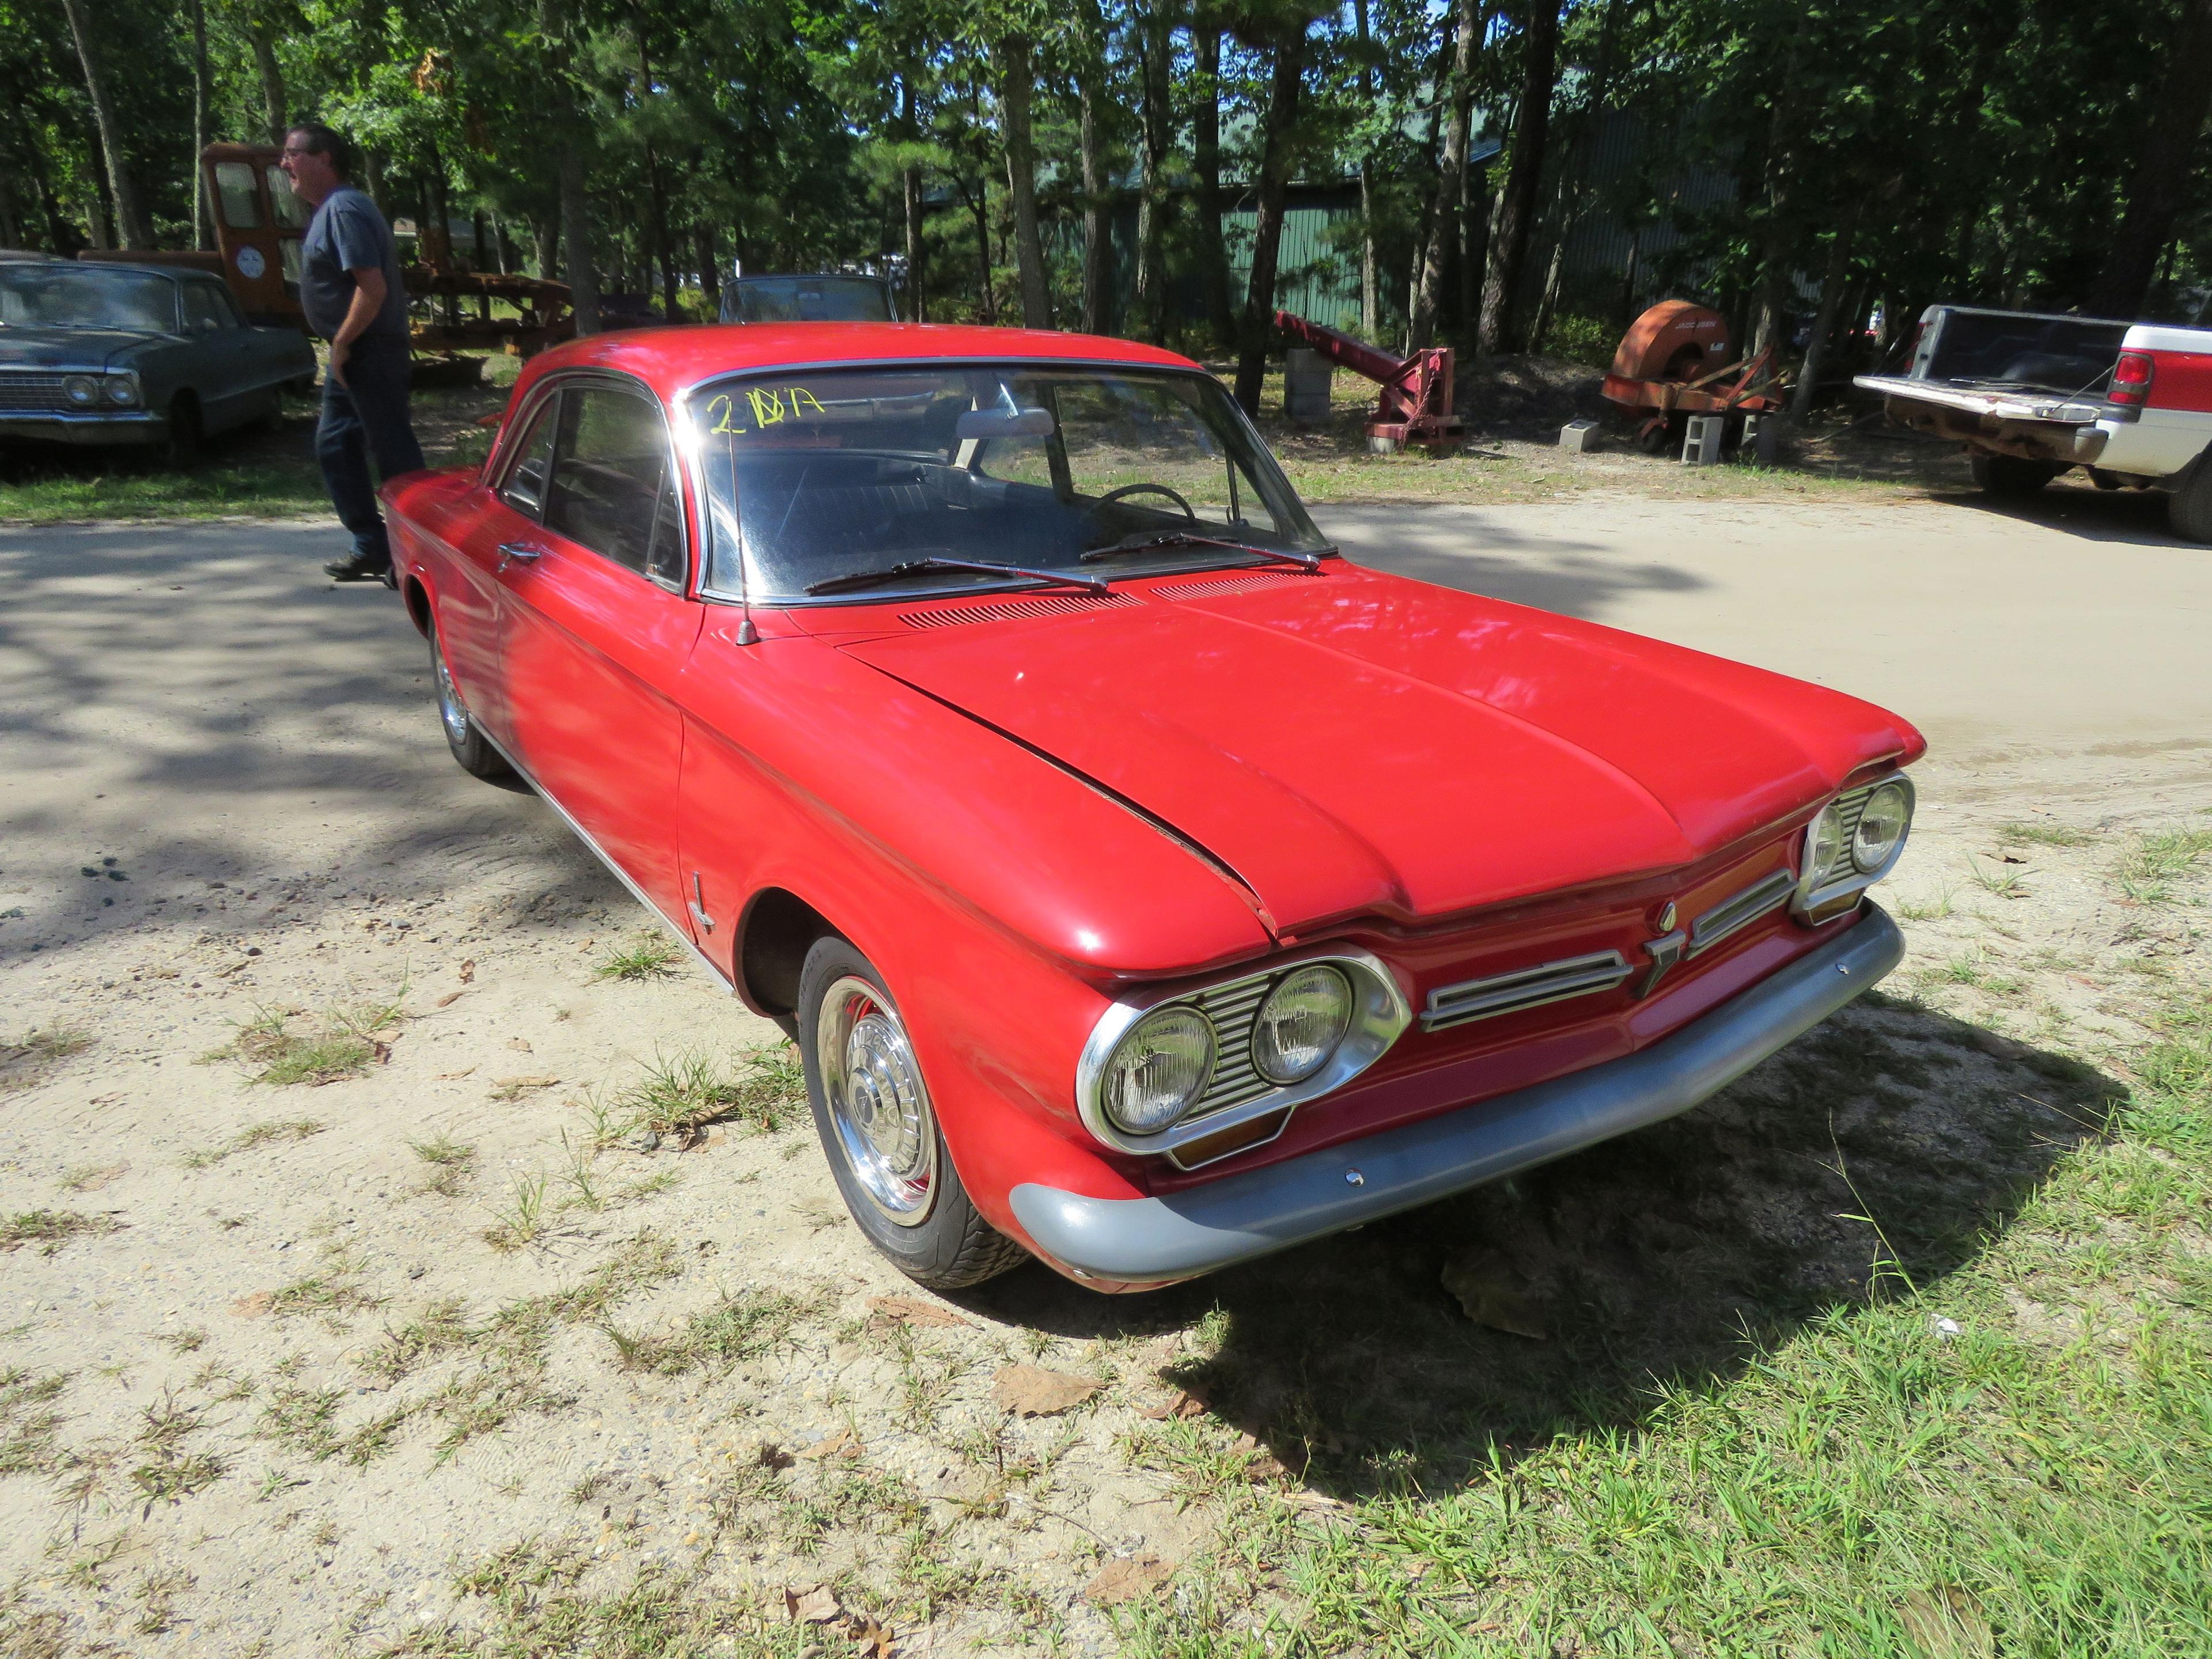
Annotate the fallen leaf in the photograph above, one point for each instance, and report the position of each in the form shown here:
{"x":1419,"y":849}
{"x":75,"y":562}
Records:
{"x":773,"y":1456}
{"x":1129,"y":1578}
{"x":448,"y":1077}
{"x":520,"y":1044}
{"x":468,"y":970}
{"x":1030,"y":1391}
{"x":450,"y":998}
{"x":1184,"y":1404}
{"x":1493,"y":1293}
{"x":811,"y":1604}
{"x":912,"y":1310}
{"x":253,"y":1306}
{"x":843,"y":1444}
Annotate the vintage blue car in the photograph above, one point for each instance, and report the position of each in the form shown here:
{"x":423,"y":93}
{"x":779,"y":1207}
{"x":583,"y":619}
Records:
{"x":122,"y":354}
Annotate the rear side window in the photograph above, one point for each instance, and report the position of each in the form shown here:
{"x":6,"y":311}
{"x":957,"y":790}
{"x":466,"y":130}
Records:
{"x":525,"y":489}
{"x":611,"y":488}
{"x":207,"y":309}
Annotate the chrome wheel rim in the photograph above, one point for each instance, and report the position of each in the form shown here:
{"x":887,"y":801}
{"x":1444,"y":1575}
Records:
{"x":878,"y":1105}
{"x":451,"y":709}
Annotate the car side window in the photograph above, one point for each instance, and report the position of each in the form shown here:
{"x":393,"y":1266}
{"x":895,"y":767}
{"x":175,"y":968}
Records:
{"x":525,"y":489}
{"x":207,"y":309}
{"x":611,"y":489}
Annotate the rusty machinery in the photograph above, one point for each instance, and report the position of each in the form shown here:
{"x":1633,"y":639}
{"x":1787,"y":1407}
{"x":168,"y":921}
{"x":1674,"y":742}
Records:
{"x":1415,"y":403}
{"x":1673,"y":361}
{"x":258,"y":226}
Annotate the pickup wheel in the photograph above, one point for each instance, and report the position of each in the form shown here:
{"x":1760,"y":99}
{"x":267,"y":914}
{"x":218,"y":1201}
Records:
{"x":2010,"y":477}
{"x":469,"y":746}
{"x":879,"y":1131}
{"x":2189,"y":508}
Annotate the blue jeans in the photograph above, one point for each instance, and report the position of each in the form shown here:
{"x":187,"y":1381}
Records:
{"x":366,"y":417}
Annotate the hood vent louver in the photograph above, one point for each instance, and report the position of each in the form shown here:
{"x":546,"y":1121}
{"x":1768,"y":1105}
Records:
{"x":959,"y":616}
{"x":1209,"y":588}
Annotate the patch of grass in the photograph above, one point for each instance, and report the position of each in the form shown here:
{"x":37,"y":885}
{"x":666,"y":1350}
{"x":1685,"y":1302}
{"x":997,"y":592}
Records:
{"x":333,"y":1289}
{"x":451,"y":1162}
{"x":536,"y":1605}
{"x":2151,"y":867}
{"x":1935,"y":909}
{"x":51,"y":1229}
{"x":256,"y":1135}
{"x":439,"y":1328}
{"x":681,"y":1094}
{"x":524,"y":1218}
{"x":646,"y":955}
{"x":190,"y":1340}
{"x":737,"y":1326}
{"x":28,"y":1429}
{"x":90,"y":1177}
{"x":167,"y":1469}
{"x":22,"y":1061}
{"x":344,"y":1043}
{"x":1997,"y":880}
{"x":2044,"y":835}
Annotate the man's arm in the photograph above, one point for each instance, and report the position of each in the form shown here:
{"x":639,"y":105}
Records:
{"x":367,"y":300}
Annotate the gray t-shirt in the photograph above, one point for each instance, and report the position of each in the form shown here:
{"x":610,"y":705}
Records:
{"x":349,"y":234}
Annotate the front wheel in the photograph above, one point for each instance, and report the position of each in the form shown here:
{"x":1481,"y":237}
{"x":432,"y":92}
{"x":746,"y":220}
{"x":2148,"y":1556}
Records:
{"x":873,"y":1112}
{"x":2011,"y":476}
{"x":469,"y":745}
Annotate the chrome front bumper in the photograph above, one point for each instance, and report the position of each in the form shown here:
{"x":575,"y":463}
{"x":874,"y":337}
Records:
{"x":1156,"y":1240}
{"x":127,"y":426}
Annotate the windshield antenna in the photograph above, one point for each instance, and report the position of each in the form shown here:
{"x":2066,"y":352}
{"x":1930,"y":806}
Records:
{"x":747,"y":634}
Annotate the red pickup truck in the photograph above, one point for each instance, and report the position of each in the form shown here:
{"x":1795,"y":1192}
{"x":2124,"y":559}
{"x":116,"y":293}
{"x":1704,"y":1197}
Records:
{"x":2031,"y":395}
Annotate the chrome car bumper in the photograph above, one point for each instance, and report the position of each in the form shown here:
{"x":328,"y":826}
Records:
{"x":1238,"y":1217}
{"x":132,"y":426}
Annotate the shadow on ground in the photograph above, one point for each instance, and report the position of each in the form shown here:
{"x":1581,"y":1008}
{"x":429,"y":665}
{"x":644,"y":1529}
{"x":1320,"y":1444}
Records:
{"x":2132,"y":516}
{"x":1888,"y":1145}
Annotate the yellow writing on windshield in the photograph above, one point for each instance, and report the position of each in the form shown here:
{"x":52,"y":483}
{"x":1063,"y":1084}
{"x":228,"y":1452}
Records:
{"x":768,"y":404}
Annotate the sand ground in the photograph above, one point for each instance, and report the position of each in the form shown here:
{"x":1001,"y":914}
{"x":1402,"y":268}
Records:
{"x":307,"y":1376}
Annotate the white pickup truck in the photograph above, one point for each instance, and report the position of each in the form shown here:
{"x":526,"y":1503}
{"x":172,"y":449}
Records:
{"x":2031,"y":395}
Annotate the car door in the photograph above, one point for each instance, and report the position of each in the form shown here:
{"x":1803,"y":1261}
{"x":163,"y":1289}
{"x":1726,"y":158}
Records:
{"x":226,"y":369}
{"x":594,"y":629}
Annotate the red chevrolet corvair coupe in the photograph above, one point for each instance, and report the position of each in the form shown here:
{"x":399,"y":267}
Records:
{"x":1147,"y":887}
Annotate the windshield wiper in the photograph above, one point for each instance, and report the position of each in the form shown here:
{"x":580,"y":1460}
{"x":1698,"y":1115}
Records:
{"x":860,"y":579}
{"x":1307,"y":563}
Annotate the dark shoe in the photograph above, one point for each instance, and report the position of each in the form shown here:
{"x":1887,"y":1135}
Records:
{"x":360,"y":569}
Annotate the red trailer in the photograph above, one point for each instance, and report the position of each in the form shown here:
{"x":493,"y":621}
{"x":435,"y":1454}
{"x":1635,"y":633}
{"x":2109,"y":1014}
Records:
{"x":1672,"y":362}
{"x":1415,"y":404}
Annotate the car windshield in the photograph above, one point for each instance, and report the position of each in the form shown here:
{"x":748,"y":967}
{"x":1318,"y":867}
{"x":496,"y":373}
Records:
{"x":806,"y":299}
{"x":81,"y":297}
{"x":823,"y":476}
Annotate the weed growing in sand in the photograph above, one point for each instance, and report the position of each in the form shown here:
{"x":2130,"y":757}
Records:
{"x":253,"y":1135}
{"x":168,"y":1471}
{"x":22,"y":1061}
{"x":2044,"y":835}
{"x":524,"y":1218}
{"x":452,"y":1162}
{"x":343,"y":1044}
{"x":28,"y":1428}
{"x":90,"y":1177}
{"x":1935,"y":909}
{"x":190,"y":1340}
{"x":737,"y":1326}
{"x":648,"y":956}
{"x":680,"y":1095}
{"x":156,"y":1596}
{"x":51,"y":1229}
{"x":334,"y":1289}
{"x":1997,"y":880}
{"x":2155,"y":862}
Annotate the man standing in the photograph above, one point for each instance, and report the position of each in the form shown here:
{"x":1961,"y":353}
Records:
{"x":350,"y":287}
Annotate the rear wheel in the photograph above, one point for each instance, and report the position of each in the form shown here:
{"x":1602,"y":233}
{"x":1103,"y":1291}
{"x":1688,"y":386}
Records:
{"x":873,"y":1112}
{"x":2189,"y":508}
{"x":2011,"y":476}
{"x":469,"y":745}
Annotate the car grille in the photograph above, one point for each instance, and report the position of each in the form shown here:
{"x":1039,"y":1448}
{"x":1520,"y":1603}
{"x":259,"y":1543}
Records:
{"x":1235,"y":1010}
{"x":33,"y":394}
{"x":1733,"y":915}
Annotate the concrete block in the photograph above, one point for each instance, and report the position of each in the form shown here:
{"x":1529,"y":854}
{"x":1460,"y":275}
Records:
{"x":1578,"y":437}
{"x":1760,"y":433}
{"x":1306,"y":378}
{"x":1701,"y":441}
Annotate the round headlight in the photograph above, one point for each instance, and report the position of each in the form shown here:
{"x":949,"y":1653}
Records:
{"x":1301,"y":1023}
{"x":1158,"y":1070}
{"x":81,"y":390}
{"x":1824,"y":844}
{"x":1882,"y":826}
{"x":121,"y":390}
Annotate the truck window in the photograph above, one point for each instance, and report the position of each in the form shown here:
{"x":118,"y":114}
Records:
{"x":234,"y":189}
{"x":291,"y":211}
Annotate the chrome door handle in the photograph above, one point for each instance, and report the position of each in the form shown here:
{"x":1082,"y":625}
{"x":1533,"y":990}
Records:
{"x":698,"y":905}
{"x":523,"y":551}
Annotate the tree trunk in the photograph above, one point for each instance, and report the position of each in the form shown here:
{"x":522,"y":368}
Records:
{"x":706,"y":248}
{"x":1432,"y":153}
{"x":1205,"y":157}
{"x":1451,"y":175}
{"x":2164,"y":167}
{"x":1277,"y":131}
{"x":1021,"y":181}
{"x":1097,"y":209}
{"x":1548,"y":306}
{"x":129,"y":220}
{"x":203,"y":95}
{"x":1509,"y":247}
{"x":271,"y":74}
{"x":1367,"y":297}
{"x":567,"y":122}
{"x":1832,"y":284}
{"x":11,"y":232}
{"x":911,"y":202}
{"x":979,"y":206}
{"x":545,"y":233}
{"x":1152,"y":63}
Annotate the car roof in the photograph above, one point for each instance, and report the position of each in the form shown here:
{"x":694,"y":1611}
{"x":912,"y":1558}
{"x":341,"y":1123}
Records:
{"x":672,"y":360}
{"x":173,"y":272}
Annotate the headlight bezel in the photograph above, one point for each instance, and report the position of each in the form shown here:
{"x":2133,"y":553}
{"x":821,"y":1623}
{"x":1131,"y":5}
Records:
{"x":1165,"y":1014}
{"x":83,"y":391}
{"x":1380,"y":1013}
{"x":124,"y":383}
{"x":1823,"y":895}
{"x":1291,"y":1076}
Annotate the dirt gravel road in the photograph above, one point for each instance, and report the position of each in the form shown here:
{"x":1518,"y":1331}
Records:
{"x":440,"y":1333}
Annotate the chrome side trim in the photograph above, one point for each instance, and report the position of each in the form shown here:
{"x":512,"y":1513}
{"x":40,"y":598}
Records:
{"x":1732,"y":915}
{"x":1236,"y":1093}
{"x":1255,"y":1213}
{"x":1523,"y":987}
{"x":599,"y":853}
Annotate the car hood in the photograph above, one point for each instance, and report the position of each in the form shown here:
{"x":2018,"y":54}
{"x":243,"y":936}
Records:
{"x":1360,"y":744}
{"x":82,"y":349}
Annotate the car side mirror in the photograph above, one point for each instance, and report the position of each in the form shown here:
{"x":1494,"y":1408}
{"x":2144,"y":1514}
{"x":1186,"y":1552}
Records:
{"x":1004,"y":423}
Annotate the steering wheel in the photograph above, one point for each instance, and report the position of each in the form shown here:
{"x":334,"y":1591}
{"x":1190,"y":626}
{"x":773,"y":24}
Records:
{"x":1113,"y":495}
